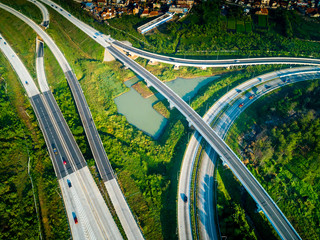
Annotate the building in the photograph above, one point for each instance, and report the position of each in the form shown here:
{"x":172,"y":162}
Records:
{"x":102,"y":2}
{"x":145,"y":13}
{"x":89,"y":6}
{"x":176,"y":9}
{"x":155,"y":22}
{"x":153,"y":13}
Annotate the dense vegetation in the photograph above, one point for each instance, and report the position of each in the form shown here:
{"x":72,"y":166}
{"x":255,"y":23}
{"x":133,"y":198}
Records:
{"x":206,"y":31}
{"x":278,"y":137}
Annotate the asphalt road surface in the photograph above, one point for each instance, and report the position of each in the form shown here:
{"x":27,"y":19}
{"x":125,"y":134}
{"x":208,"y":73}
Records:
{"x":206,"y":210}
{"x":273,"y":213}
{"x":122,"y":209}
{"x":94,"y":218}
{"x":44,"y":11}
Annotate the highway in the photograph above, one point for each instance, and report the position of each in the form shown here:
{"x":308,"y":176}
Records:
{"x":273,"y":213}
{"x":206,"y":210}
{"x":123,"y":211}
{"x":214,"y":63}
{"x":44,"y":11}
{"x":105,"y":41}
{"x":279,"y":221}
{"x":83,"y":198}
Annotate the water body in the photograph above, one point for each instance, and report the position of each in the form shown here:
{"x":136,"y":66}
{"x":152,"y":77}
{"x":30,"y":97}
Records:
{"x":139,"y":111}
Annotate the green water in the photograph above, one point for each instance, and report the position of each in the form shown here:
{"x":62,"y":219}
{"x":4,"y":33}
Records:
{"x":139,"y":111}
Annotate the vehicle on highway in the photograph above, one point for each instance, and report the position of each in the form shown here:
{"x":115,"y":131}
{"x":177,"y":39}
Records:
{"x":75,"y":217}
{"x":69,"y":183}
{"x":241,"y":105}
{"x":5,"y":43}
{"x":236,"y":61}
{"x":94,"y":36}
{"x":26,"y":82}
{"x":69,"y":15}
{"x":251,"y":96}
{"x":185,"y":198}
{"x":267,"y":86}
{"x":54,"y":149}
{"x":64,"y":161}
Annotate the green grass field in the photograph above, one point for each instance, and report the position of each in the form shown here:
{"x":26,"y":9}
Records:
{"x":283,"y":153}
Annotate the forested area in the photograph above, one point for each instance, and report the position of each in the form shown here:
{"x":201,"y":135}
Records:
{"x":278,"y":137}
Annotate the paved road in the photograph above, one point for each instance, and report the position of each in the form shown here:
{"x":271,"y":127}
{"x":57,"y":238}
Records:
{"x":104,"y":41}
{"x":279,"y":221}
{"x":215,"y":63}
{"x":44,"y":11}
{"x":205,"y":207}
{"x":95,"y":220}
{"x":118,"y":200}
{"x":42,"y":81}
{"x":273,"y":213}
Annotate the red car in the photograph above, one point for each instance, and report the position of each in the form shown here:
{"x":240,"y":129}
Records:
{"x":241,"y":105}
{"x":75,"y":217}
{"x":251,"y":97}
{"x":64,"y":161}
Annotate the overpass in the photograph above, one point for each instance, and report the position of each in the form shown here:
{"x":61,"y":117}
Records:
{"x":212,"y":63}
{"x":273,"y":213}
{"x":267,"y":205}
{"x":206,"y":212}
{"x":44,"y":11}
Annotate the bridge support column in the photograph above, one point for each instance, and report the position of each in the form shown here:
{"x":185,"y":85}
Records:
{"x":176,"y":67}
{"x":204,"y":68}
{"x":171,"y":106}
{"x":224,"y":163}
{"x":259,"y":209}
{"x":148,"y":84}
{"x":190,"y":123}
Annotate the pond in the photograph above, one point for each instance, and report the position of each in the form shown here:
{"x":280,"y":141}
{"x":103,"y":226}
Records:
{"x":139,"y":111}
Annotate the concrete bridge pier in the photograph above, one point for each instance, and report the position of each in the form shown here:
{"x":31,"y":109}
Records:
{"x":259,"y":209}
{"x":204,"y":68}
{"x":171,"y":106}
{"x":190,"y":123}
{"x":176,"y":67}
{"x":148,"y":84}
